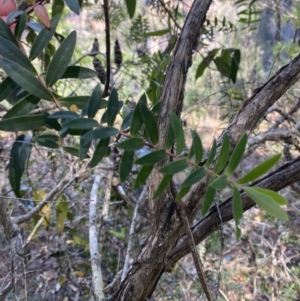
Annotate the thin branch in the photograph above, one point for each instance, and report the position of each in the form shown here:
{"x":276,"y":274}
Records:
{"x":131,"y":233}
{"x":93,"y":242}
{"x":192,"y":247}
{"x":170,"y":14}
{"x":107,"y":40}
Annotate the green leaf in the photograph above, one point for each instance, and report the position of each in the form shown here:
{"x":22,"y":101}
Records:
{"x":74,"y":6}
{"x":71,"y":150}
{"x":43,"y":39}
{"x":170,"y":136}
{"x":182,"y":192}
{"x":131,"y":144}
{"x":100,"y":133}
{"x":47,"y":140}
{"x":137,"y":121}
{"x":152,"y":158}
{"x":6,"y":88}
{"x":51,"y":123}
{"x":224,"y":154}
{"x":94,"y":103}
{"x":205,"y":63}
{"x":237,"y":209}
{"x":150,"y":123}
{"x":104,"y":116}
{"x":61,"y":59}
{"x":212,"y":154}
{"x":208,"y":200}
{"x":127,"y":121}
{"x":142,"y":176}
{"x":126,"y":164}
{"x":178,"y":129}
{"x":10,"y":51}
{"x":235,"y":63}
{"x":174,"y":167}
{"x":131,"y":5}
{"x":155,"y":33}
{"x":162,"y":186}
{"x":112,"y":107}
{"x":21,"y":25}
{"x":219,"y":183}
{"x":6,"y":33}
{"x":279,"y":199}
{"x":79,"y":101}
{"x":84,"y":145}
{"x":266,"y":203}
{"x":237,"y":155}
{"x":78,"y":72}
{"x":194,"y":177}
{"x":22,"y":123}
{"x":100,"y":151}
{"x":64,"y":115}
{"x":25,"y":79}
{"x":259,"y":170}
{"x":19,"y":155}
{"x":23,"y":107}
{"x":197,"y":147}
{"x":81,"y":123}
{"x":57,"y":7}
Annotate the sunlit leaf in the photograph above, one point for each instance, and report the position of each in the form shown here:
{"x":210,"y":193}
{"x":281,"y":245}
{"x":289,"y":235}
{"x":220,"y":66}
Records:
{"x":259,"y":170}
{"x":266,"y":203}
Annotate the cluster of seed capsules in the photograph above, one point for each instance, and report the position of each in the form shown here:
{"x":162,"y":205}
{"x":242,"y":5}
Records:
{"x":97,"y":63}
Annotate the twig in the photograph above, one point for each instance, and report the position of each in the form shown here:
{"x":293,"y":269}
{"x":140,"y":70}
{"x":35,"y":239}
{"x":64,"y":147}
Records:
{"x":196,"y":258}
{"x":170,"y":14}
{"x":93,"y":242}
{"x":107,"y":40}
{"x":131,"y":233}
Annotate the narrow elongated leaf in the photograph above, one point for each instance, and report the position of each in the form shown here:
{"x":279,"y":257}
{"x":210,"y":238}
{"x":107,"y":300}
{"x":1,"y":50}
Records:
{"x":126,"y":165}
{"x":156,"y":33}
{"x":84,"y":145}
{"x":279,"y":199}
{"x":23,"y":107}
{"x":196,"y":148}
{"x":6,"y":88}
{"x":51,"y":123}
{"x":137,"y":120}
{"x":170,"y":136}
{"x":78,"y":72}
{"x":61,"y":59}
{"x":237,"y":155}
{"x":178,"y":129}
{"x":212,"y":154}
{"x":205,"y":63}
{"x":21,"y":25}
{"x":152,"y":158}
{"x":208,"y":200}
{"x":112,"y":107}
{"x":104,"y":116}
{"x":51,"y":141}
{"x":71,"y":150}
{"x":182,"y":192}
{"x":57,"y":7}
{"x":127,"y":121}
{"x":235,"y":63}
{"x":219,"y":183}
{"x":25,"y":79}
{"x":131,"y":144}
{"x":94,"y":103}
{"x":100,"y":133}
{"x":81,"y":123}
{"x":74,"y":6}
{"x":10,"y":51}
{"x":224,"y":154}
{"x":79,"y":101}
{"x":6,"y":33}
{"x":43,"y":39}
{"x":266,"y":203}
{"x":259,"y":170}
{"x":100,"y":151}
{"x":22,"y":123}
{"x":174,"y":167}
{"x":237,"y":209}
{"x":131,"y":5}
{"x":19,"y":156}
{"x":64,"y":115}
{"x":162,"y":186}
{"x":194,"y":177}
{"x":142,"y":176}
{"x":150,"y":123}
